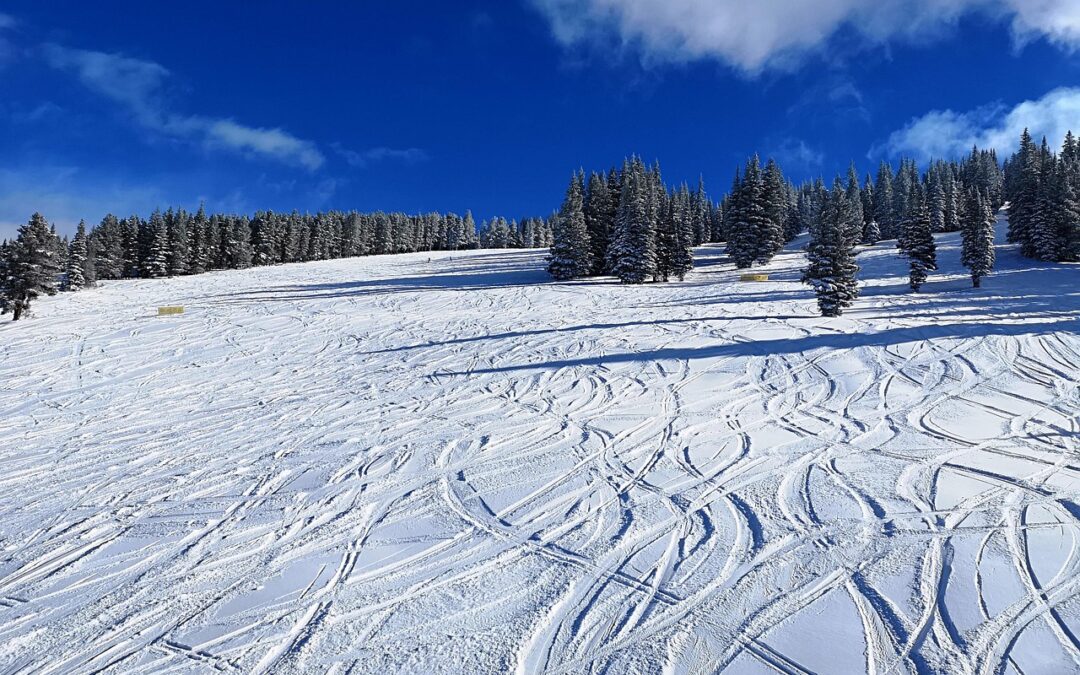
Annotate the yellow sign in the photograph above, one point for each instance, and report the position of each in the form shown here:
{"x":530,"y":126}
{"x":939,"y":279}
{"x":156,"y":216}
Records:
{"x":166,"y":311}
{"x":754,"y":277}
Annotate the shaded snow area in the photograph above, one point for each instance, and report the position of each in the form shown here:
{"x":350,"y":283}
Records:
{"x":446,"y":463}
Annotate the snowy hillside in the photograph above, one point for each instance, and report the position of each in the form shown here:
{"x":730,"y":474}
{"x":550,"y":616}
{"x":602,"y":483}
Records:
{"x":436,"y":463}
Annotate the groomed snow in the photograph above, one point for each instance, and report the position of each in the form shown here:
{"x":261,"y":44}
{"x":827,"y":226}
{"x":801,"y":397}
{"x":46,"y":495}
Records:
{"x":446,"y":463}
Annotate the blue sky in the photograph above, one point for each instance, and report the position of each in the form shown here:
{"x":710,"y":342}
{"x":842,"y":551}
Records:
{"x":489,"y":105}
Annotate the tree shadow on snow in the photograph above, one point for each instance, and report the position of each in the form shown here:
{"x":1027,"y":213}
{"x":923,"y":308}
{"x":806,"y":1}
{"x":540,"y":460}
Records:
{"x":884,"y":338}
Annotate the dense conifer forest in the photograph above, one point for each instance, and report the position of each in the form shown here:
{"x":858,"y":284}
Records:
{"x":625,"y":222}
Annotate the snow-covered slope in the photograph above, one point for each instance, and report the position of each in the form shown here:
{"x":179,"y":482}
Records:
{"x":448,"y":464}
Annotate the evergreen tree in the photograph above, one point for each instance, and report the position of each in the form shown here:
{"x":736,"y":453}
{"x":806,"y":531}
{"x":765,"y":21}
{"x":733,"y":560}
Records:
{"x":177,"y":224}
{"x":683,"y":235}
{"x":78,"y":259}
{"x":853,"y":207}
{"x":156,"y":260}
{"x":632,"y":253}
{"x":919,"y":244}
{"x":775,"y":203}
{"x":599,"y":221}
{"x":32,"y":266}
{"x":977,"y":252}
{"x":571,"y":256}
{"x":832,"y":269}
{"x":883,"y":202}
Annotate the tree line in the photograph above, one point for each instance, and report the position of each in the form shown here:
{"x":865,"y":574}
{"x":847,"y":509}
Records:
{"x":624,"y":222}
{"x":175,"y":242}
{"x":628,"y":224}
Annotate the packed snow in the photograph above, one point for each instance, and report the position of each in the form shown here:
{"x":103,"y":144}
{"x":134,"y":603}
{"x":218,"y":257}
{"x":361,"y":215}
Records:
{"x":445,"y":462}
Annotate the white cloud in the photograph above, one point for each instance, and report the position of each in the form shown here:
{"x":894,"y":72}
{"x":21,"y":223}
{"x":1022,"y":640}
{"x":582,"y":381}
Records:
{"x":365,"y":158}
{"x":947,"y":133}
{"x":796,"y":154}
{"x":760,"y":34}
{"x":140,"y":86}
{"x":269,"y":142}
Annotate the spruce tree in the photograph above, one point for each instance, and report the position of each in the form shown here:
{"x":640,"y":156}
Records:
{"x":919,"y":244}
{"x":570,"y":256}
{"x":774,"y":198}
{"x":883,"y":202}
{"x":682,"y":248}
{"x":854,"y":207}
{"x":32,"y":267}
{"x":77,"y":261}
{"x":977,"y":231}
{"x":156,"y":259}
{"x":632,"y":253}
{"x":832,"y":269}
{"x":599,"y":221}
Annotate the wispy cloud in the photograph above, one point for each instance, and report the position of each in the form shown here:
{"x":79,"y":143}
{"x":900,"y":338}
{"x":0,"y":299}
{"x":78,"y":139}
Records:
{"x":794,"y":154}
{"x":947,"y":133}
{"x":777,"y":34}
{"x":140,"y":86}
{"x":365,"y":158}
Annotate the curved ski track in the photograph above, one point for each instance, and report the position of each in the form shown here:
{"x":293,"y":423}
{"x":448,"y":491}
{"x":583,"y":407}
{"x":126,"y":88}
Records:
{"x":443,"y":463}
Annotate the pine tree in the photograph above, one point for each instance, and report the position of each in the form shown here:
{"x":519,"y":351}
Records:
{"x":751,"y":239}
{"x":883,"y":202}
{"x":775,"y":205}
{"x":1046,"y":229}
{"x":571,"y":256}
{"x":632,"y":253}
{"x":178,"y":226}
{"x":832,"y":269}
{"x":977,"y":230}
{"x":854,"y":208}
{"x":77,"y":260}
{"x":919,"y":244}
{"x":670,"y":212}
{"x":599,"y":221}
{"x":156,"y":260}
{"x":682,"y":247}
{"x":1024,"y":195}
{"x":32,"y":266}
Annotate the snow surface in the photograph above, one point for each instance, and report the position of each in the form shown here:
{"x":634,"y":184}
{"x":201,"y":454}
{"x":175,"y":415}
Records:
{"x":447,"y":463}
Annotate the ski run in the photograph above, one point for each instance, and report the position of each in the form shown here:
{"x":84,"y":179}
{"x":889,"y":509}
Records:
{"x":445,"y":462}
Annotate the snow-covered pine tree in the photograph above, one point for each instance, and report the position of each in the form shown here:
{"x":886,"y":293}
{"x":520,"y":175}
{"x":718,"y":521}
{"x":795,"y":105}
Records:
{"x":1024,"y":193}
{"x":178,"y":225}
{"x":871,"y":233}
{"x":751,"y":238}
{"x":108,"y":241}
{"x":665,"y":236}
{"x":156,"y":261}
{"x":883,"y":201}
{"x":1047,"y":227}
{"x":32,"y":267}
{"x":832,"y":269}
{"x":977,"y":233}
{"x":731,"y":211}
{"x":599,"y":221}
{"x":632,"y":253}
{"x":77,"y":260}
{"x":1070,"y":200}
{"x":919,"y":244}
{"x":935,"y":196}
{"x":775,"y":203}
{"x":698,"y":213}
{"x":682,"y":248}
{"x":570,"y":255}
{"x":953,"y":198}
{"x":854,"y":206}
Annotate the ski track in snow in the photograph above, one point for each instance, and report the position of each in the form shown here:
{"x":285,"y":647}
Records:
{"x":445,"y":463}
